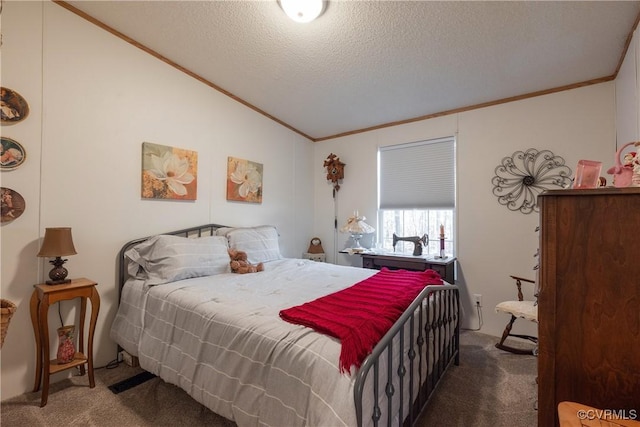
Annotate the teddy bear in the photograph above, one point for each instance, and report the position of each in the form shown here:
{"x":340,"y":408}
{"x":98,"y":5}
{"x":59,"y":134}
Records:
{"x":240,"y":265}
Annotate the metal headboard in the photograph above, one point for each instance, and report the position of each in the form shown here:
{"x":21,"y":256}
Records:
{"x":197,"y":231}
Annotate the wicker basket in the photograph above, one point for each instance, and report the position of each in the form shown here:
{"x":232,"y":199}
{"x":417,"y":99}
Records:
{"x":8,"y":308}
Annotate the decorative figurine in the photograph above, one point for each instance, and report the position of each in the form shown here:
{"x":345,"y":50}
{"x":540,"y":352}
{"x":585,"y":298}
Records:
{"x":623,"y":171}
{"x":418,"y":242}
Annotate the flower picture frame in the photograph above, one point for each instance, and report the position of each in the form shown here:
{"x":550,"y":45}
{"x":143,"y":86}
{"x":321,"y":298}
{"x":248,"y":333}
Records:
{"x":244,"y":180}
{"x":169,"y":172}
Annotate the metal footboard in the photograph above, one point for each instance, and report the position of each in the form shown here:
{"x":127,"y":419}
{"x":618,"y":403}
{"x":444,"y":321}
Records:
{"x":405,"y":367}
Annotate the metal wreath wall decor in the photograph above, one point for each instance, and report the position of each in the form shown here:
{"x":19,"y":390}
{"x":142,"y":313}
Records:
{"x":521,"y":177}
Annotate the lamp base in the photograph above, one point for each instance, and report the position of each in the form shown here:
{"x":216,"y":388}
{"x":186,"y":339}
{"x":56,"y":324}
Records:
{"x":58,"y":274}
{"x":58,"y":282}
{"x":356,"y":240}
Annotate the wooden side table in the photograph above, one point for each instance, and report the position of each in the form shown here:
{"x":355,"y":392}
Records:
{"x":45,"y":295}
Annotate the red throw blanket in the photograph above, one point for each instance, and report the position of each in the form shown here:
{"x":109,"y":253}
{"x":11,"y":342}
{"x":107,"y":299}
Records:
{"x":360,"y":315}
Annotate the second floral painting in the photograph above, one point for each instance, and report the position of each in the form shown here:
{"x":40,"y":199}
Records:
{"x":244,"y":180}
{"x":169,"y":172}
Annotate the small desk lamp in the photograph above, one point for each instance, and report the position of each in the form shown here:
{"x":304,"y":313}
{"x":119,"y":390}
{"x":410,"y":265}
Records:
{"x":57,"y":243}
{"x":357,"y":228}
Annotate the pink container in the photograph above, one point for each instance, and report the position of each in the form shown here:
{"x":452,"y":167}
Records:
{"x":587,"y":174}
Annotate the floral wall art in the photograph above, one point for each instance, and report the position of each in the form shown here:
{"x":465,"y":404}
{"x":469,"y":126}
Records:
{"x":169,"y":172}
{"x":244,"y":180}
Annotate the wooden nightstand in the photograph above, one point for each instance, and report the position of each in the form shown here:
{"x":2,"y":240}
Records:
{"x":45,"y":295}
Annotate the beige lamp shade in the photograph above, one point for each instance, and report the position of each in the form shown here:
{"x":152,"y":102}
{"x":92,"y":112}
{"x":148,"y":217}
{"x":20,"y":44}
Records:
{"x":57,"y":242}
{"x":356,"y":225}
{"x":357,"y":228}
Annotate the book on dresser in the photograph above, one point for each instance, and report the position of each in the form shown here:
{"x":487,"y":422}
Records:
{"x":589,"y":300}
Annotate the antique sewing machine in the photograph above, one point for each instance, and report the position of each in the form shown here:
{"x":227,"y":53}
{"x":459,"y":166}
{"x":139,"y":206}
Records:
{"x":418,"y":242}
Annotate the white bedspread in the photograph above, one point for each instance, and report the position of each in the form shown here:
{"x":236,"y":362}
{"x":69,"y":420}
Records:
{"x":220,"y":338}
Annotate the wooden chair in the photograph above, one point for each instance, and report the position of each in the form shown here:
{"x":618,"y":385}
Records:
{"x":573,"y":414}
{"x":518,"y":309}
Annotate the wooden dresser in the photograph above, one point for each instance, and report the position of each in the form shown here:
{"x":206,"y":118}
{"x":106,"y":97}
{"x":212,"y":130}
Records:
{"x":589,"y":301}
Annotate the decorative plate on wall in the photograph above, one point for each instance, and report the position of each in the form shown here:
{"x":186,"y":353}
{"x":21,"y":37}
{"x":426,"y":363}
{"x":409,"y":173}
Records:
{"x":13,"y":204}
{"x":12,"y":154}
{"x":13,"y":107}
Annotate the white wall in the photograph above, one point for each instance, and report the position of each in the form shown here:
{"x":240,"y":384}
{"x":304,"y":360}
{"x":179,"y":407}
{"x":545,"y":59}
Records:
{"x":628,"y":96}
{"x":22,"y":72}
{"x":94,"y":100}
{"x":492,"y":242}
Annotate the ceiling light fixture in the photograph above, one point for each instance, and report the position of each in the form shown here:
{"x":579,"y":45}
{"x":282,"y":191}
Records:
{"x":303,"y":10}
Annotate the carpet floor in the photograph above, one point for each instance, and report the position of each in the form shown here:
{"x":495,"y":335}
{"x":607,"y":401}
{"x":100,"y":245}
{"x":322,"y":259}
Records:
{"x":489,"y":388}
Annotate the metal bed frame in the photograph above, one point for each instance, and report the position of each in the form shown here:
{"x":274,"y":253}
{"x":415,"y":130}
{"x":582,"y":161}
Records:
{"x":407,"y":342}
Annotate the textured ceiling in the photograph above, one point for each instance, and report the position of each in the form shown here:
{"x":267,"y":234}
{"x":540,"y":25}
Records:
{"x":364,"y":64}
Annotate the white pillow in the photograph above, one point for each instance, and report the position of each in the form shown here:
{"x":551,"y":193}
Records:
{"x":260,"y":243}
{"x":164,"y":259}
{"x":222,"y":231}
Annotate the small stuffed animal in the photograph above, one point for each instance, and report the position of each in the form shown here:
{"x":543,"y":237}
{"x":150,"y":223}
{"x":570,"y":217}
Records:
{"x":240,"y":265}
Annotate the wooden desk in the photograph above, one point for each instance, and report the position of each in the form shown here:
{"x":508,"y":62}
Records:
{"x":444,"y":267}
{"x":45,"y":295}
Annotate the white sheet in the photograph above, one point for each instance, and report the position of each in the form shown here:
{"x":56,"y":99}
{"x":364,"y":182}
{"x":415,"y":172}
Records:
{"x":199,"y":325}
{"x":220,"y":339}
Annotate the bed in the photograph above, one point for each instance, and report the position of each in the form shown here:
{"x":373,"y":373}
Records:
{"x":218,"y":335}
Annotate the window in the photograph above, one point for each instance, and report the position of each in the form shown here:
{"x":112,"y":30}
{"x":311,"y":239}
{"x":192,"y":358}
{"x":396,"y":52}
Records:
{"x":415,"y":222}
{"x":416,"y":193}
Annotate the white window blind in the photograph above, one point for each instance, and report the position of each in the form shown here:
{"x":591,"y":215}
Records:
{"x":418,"y":175}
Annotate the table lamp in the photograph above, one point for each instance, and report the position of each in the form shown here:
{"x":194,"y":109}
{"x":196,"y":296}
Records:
{"x":56,"y":244}
{"x":357,"y":228}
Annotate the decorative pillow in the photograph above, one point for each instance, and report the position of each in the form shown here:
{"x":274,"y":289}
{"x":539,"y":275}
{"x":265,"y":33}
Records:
{"x":260,"y":243}
{"x":164,"y":259}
